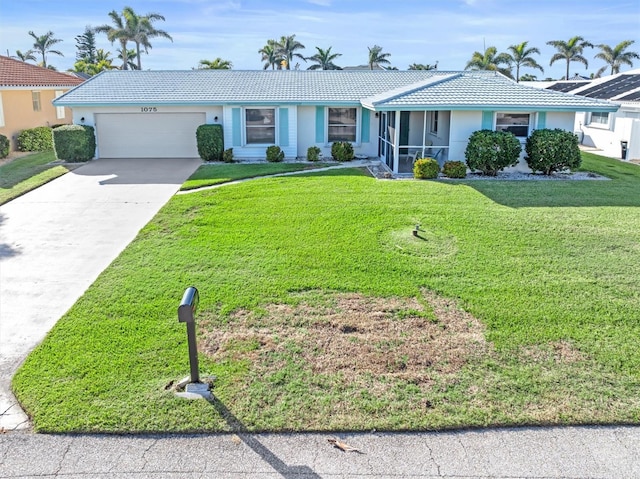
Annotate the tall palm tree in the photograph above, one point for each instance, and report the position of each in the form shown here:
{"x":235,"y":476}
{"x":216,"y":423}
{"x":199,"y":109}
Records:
{"x":521,"y":56}
{"x":490,"y":60}
{"x":130,"y":55}
{"x":23,"y":57}
{"x":570,"y":51}
{"x":287,"y":49}
{"x":377,"y":57}
{"x":616,"y":57}
{"x":120,"y":32}
{"x":43,"y":44}
{"x":142,"y":29}
{"x":324,"y":60}
{"x":270,"y":55}
{"x":216,"y":64}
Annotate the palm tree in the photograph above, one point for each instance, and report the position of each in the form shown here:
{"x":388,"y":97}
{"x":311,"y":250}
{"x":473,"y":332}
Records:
{"x":23,"y":57}
{"x":528,"y":77}
{"x":119,"y":31}
{"x":490,"y":60}
{"x":324,"y":60}
{"x":521,"y":56}
{"x":570,"y":51}
{"x":270,"y":55}
{"x":286,"y":49}
{"x":376,"y":57}
{"x":43,"y":44}
{"x":420,"y":66}
{"x":142,"y":29}
{"x":130,"y":55}
{"x":615,"y":57}
{"x":101,"y":63}
{"x":216,"y":64}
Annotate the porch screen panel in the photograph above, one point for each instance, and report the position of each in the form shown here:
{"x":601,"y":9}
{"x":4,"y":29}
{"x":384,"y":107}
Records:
{"x":365,"y":127}
{"x":319,"y":124}
{"x":487,"y":120}
{"x":284,"y":127}
{"x":236,"y":127}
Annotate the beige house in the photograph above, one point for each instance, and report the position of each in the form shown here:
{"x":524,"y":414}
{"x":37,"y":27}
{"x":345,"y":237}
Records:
{"x":26,"y":93}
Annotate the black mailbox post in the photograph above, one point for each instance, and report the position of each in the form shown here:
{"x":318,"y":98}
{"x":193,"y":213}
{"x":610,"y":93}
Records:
{"x":623,"y":149}
{"x":186,"y":312}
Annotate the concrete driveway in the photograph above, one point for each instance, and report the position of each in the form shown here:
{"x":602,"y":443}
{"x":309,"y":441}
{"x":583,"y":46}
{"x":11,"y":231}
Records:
{"x":56,"y":240}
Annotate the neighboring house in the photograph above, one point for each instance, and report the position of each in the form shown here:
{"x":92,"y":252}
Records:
{"x":607,"y":130}
{"x":389,"y":115}
{"x":26,"y":93}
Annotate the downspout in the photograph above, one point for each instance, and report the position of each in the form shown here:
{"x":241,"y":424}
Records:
{"x":424,"y":132}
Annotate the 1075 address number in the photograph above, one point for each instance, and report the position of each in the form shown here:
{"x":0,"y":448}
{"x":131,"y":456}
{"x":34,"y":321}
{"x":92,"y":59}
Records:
{"x":148,"y":109}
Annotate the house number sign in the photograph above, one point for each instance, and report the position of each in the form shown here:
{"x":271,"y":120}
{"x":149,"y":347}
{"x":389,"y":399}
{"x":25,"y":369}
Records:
{"x":148,"y":109}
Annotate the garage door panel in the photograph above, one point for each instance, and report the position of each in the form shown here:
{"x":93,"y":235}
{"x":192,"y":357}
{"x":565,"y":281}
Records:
{"x":156,"y":135}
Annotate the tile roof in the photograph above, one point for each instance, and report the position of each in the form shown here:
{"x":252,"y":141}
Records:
{"x":384,"y":89}
{"x":15,"y":73}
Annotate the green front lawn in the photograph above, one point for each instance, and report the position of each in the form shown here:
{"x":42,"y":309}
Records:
{"x":27,"y":173}
{"x":517,"y":304}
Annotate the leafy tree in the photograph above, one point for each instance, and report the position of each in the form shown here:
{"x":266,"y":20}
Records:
{"x":521,"y":56}
{"x":420,"y":66}
{"x":43,"y":44}
{"x":23,"y":57}
{"x":142,"y":30}
{"x":270,"y":55}
{"x":102,"y":62}
{"x":216,"y":64}
{"x":490,"y":60}
{"x":86,"y":46}
{"x":287,"y":49}
{"x":324,"y":60}
{"x":377,"y":57}
{"x":570,"y":51}
{"x":120,"y":32}
{"x":616,"y":57}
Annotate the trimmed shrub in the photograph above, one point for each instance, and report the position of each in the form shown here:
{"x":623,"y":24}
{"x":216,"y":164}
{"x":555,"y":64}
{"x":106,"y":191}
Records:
{"x":274,"y":154}
{"x":74,"y":143}
{"x":313,"y":153}
{"x":210,"y":142}
{"x":492,"y":151}
{"x":454,"y":169}
{"x":552,"y":150}
{"x":426,"y":168}
{"x":227,"y":156}
{"x":39,"y":138}
{"x":5,"y":146}
{"x":342,"y":151}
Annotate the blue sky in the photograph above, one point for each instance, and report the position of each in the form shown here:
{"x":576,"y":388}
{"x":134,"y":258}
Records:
{"x":412,"y":31}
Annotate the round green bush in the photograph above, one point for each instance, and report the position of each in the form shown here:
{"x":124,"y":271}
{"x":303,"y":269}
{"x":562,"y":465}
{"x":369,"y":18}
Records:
{"x":552,"y":150}
{"x":275,"y":154}
{"x":342,"y":151}
{"x":210,"y":142}
{"x":492,"y":151}
{"x":39,"y":138}
{"x":426,"y":168}
{"x":313,"y":153}
{"x":5,"y":146}
{"x":74,"y":143}
{"x":454,"y":169}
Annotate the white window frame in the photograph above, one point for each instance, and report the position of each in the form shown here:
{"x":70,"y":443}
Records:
{"x":1,"y":112}
{"x":599,"y":124}
{"x":358,"y":122}
{"x":434,"y":118}
{"x":246,"y":127}
{"x":36,"y":100}
{"x":59,"y":109}
{"x":529,"y":126}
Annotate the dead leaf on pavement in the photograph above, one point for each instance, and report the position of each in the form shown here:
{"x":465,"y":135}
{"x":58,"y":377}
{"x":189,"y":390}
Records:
{"x":343,"y":446}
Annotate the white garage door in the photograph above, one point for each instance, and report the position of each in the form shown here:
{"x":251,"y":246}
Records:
{"x":150,"y":135}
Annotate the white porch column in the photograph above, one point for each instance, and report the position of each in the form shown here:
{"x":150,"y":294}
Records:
{"x":396,"y":143}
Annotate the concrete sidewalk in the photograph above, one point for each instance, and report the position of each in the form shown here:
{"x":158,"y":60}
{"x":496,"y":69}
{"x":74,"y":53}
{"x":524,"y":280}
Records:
{"x":57,"y":239}
{"x":536,"y":453}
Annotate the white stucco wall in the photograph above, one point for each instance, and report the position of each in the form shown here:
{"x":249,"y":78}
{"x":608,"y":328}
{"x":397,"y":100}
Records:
{"x":462,"y":124}
{"x":624,"y":125}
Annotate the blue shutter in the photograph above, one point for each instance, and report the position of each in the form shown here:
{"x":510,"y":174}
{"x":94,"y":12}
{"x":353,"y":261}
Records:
{"x":236,"y":127}
{"x":319,"y":124}
{"x":542,"y":120}
{"x":284,"y":127}
{"x":487,"y":120}
{"x":366,"y":126}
